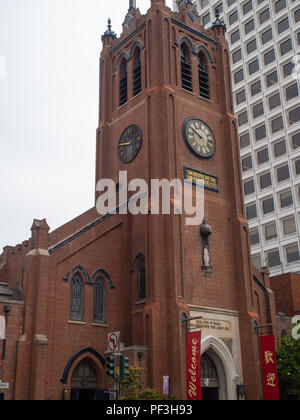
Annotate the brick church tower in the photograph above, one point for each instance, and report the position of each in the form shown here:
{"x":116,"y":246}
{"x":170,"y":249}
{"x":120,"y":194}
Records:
{"x":166,"y":112}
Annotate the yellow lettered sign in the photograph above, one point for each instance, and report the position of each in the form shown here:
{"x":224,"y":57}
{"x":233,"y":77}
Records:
{"x":209,"y":182}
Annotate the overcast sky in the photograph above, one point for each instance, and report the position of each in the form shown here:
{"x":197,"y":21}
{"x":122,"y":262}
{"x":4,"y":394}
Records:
{"x":49,"y":52}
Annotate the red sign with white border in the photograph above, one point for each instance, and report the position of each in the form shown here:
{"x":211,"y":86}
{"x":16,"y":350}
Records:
{"x":113,"y":342}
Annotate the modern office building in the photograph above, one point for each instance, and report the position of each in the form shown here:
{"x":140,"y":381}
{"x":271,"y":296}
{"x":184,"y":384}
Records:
{"x":264,"y":43}
{"x":143,"y":284}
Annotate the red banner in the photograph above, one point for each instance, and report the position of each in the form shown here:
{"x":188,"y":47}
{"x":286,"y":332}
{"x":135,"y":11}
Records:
{"x":269,"y":364}
{"x":193,"y":366}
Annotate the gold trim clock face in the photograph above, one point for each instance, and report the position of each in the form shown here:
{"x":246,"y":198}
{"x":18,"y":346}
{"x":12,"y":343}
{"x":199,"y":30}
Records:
{"x":130,"y":143}
{"x":199,"y":138}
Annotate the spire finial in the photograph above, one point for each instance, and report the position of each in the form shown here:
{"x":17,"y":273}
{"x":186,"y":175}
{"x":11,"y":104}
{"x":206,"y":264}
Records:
{"x":109,"y":32}
{"x":219,"y":23}
{"x":132,"y":4}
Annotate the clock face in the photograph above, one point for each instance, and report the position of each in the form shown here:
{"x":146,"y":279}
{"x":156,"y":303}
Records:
{"x":130,"y":143}
{"x":199,"y":138}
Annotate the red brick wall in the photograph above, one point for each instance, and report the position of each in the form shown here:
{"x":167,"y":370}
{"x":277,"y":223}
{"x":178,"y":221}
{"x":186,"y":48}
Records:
{"x":13,"y":333}
{"x":287,"y":290}
{"x":172,"y":250}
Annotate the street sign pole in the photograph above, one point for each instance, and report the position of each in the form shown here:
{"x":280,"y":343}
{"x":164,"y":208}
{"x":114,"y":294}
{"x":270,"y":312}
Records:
{"x":113,"y":347}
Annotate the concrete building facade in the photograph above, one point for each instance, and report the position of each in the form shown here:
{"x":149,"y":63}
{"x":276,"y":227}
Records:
{"x":264,"y":44}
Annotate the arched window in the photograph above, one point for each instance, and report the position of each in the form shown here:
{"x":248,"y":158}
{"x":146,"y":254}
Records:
{"x":142,"y":279}
{"x":99,"y":300}
{"x":137,"y":72}
{"x":76,"y":297}
{"x":208,"y":369}
{"x":123,"y":83}
{"x":203,"y":76}
{"x":186,"y":68}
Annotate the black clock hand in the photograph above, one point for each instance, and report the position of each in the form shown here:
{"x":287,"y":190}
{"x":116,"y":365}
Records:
{"x":197,"y":133}
{"x":201,"y":138}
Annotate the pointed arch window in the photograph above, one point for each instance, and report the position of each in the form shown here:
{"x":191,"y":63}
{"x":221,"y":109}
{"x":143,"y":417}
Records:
{"x":99,"y":300}
{"x":203,"y":76}
{"x":123,"y":83}
{"x":186,"y":68}
{"x":137,"y":72}
{"x":142,"y":279}
{"x":77,"y":297}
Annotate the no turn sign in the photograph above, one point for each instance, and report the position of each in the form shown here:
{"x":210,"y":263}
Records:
{"x":113,"y":342}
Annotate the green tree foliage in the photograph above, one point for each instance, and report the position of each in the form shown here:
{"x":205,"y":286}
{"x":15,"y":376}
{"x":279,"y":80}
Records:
{"x":132,"y":387}
{"x":288,"y":363}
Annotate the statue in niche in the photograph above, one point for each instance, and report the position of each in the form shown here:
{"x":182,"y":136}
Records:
{"x":206,"y":257}
{"x":205,"y":232}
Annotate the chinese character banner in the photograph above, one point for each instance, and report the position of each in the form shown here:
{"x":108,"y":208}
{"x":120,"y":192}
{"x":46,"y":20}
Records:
{"x":269,"y":367}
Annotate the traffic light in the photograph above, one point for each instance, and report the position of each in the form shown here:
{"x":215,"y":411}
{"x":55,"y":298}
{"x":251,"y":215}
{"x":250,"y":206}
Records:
{"x":110,"y":366}
{"x":124,"y":366}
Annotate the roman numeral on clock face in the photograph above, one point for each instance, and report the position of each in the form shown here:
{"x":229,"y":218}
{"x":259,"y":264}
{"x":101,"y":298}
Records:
{"x":199,"y":138}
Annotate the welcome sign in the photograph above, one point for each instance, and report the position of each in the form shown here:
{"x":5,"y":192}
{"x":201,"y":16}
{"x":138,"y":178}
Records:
{"x":269,"y":365}
{"x":193,"y":366}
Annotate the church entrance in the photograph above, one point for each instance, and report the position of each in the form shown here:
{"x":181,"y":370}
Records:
{"x":84,"y":385}
{"x":209,"y":379}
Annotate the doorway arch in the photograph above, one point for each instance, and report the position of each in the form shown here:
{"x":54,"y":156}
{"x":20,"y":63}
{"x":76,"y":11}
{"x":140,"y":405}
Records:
{"x":84,"y":371}
{"x":215,"y":351}
{"x":84,"y":382}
